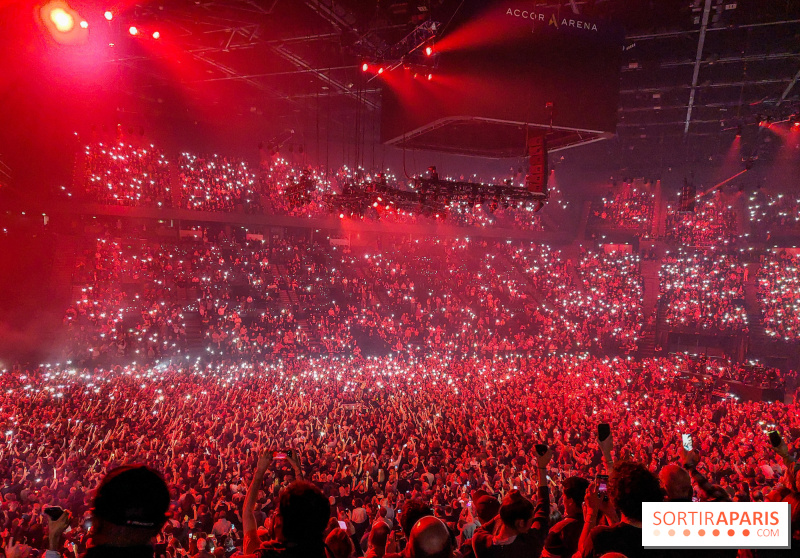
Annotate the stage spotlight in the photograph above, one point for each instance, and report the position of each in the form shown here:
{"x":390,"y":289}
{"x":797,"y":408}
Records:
{"x":133,"y":31}
{"x":156,"y":35}
{"x":84,"y":25}
{"x":428,"y":50}
{"x":63,"y":20}
{"x":739,"y":131}
{"x":430,"y":77}
{"x":364,"y":67}
{"x":380,"y":70}
{"x":109,"y":16}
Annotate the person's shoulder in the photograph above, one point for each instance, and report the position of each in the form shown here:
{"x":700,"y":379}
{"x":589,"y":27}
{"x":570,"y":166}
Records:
{"x":564,"y":524}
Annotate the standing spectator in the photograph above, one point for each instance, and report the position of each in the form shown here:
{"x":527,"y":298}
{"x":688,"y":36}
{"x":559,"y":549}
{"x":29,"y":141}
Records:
{"x":520,"y":529}
{"x":129,"y":511}
{"x":564,"y":536}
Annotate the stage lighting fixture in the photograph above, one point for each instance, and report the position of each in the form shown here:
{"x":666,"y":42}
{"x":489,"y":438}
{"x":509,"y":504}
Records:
{"x":430,"y":77}
{"x":428,"y":50}
{"x":109,"y":16}
{"x":364,"y":67}
{"x":380,"y":70}
{"x":156,"y":35}
{"x":133,"y":31}
{"x":84,"y":25}
{"x":739,"y":131}
{"x":63,"y":20}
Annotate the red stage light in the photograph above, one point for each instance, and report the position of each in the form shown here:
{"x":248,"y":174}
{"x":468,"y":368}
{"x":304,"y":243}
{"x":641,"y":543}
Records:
{"x":428,"y":50}
{"x":63,"y":20}
{"x":430,"y":77}
{"x":84,"y":25}
{"x":364,"y":67}
{"x":109,"y":16}
{"x":380,"y":70}
{"x":341,"y":216}
{"x":133,"y":31}
{"x":156,"y":35}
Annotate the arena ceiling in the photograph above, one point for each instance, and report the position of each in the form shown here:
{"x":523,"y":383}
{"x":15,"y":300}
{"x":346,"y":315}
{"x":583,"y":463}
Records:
{"x":691,"y":68}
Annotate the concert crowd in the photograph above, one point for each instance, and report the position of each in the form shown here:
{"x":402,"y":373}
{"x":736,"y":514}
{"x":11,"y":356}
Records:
{"x":248,"y":394}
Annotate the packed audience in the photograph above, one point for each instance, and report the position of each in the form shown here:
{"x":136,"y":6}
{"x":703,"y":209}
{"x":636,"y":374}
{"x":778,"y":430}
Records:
{"x":292,"y":395}
{"x":629,"y":206}
{"x":704,"y":291}
{"x":217,"y":183}
{"x":122,"y":174}
{"x":137,"y":297}
{"x":376,"y":436}
{"x":773,"y":213}
{"x":712,"y":223}
{"x":779,"y":294}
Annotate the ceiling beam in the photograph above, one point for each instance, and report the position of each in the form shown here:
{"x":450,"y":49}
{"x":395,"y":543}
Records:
{"x":698,"y":59}
{"x":726,"y":60}
{"x":326,"y":78}
{"x":789,"y":88}
{"x":234,"y":75}
{"x":673,"y":34}
{"x":709,"y":86}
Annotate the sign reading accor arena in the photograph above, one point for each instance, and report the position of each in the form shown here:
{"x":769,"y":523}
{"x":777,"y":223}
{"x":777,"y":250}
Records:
{"x":551,"y":19}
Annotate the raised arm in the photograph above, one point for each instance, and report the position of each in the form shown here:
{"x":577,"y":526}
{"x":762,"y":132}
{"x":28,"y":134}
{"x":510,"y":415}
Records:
{"x":251,"y":542}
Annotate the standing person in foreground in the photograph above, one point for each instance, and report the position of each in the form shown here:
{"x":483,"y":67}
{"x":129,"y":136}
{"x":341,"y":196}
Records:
{"x":128,"y":512}
{"x":520,"y":528}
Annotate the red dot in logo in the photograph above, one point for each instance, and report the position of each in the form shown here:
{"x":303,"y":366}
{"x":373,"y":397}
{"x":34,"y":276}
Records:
{"x":715,"y":532}
{"x":702,"y":532}
{"x":731,"y":532}
{"x":686,"y":532}
{"x":746,"y":533}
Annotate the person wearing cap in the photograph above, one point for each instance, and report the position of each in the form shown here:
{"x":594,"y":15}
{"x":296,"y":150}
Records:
{"x":129,"y":510}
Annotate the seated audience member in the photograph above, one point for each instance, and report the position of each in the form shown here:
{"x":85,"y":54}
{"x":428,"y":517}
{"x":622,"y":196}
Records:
{"x":128,"y":512}
{"x":520,"y":528}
